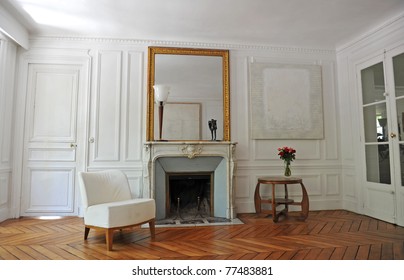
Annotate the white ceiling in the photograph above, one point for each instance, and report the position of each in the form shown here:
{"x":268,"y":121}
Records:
{"x":303,"y":23}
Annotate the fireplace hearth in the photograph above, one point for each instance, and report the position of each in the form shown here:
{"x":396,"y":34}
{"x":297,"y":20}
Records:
{"x":196,"y":221}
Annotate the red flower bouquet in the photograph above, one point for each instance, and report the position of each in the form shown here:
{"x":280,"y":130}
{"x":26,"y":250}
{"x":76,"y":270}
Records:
{"x":288,"y":155}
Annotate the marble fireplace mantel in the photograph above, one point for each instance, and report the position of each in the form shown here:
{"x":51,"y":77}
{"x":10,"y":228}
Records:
{"x":191,"y":151}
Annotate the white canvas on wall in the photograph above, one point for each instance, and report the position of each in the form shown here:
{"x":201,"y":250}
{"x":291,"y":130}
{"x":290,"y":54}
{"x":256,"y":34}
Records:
{"x":181,"y":121}
{"x":286,"y":101}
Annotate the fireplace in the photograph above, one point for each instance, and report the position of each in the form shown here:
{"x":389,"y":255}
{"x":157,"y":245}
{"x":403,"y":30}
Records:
{"x":189,"y":195}
{"x":163,"y":160}
{"x":216,"y":166}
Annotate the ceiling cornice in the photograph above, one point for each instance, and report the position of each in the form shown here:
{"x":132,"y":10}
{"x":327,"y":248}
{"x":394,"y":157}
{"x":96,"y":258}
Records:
{"x":137,"y":42}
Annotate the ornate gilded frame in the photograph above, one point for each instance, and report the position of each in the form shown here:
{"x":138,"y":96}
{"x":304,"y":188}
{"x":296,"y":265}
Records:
{"x":152,"y":51}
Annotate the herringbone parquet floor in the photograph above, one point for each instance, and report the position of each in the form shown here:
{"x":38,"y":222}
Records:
{"x":325,"y":235}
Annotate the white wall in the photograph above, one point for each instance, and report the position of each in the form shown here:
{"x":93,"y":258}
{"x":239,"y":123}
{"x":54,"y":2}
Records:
{"x":317,"y":161}
{"x":117,"y":115}
{"x":7,"y":70}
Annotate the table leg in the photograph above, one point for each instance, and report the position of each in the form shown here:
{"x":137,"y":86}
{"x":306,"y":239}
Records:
{"x":274,"y":216}
{"x":305,"y":202}
{"x":257,"y":199}
{"x":286,"y":198}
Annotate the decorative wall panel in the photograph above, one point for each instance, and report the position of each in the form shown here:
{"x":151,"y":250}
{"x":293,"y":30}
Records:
{"x":52,"y":190}
{"x":108,"y":106}
{"x":333,"y":184}
{"x":4,"y":191}
{"x":242,"y":189}
{"x":265,"y":149}
{"x":134,"y":112}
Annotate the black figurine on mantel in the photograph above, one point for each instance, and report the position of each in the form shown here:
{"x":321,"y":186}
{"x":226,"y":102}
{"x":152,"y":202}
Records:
{"x":213,"y":128}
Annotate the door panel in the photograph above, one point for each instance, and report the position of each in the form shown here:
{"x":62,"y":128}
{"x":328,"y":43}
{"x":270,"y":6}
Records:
{"x":57,"y":184}
{"x":395,"y":61}
{"x":376,"y":122}
{"x":55,"y":106}
{"x":56,"y":96}
{"x":380,"y":203}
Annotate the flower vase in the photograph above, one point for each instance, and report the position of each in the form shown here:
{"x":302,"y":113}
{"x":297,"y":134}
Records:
{"x":288,"y":172}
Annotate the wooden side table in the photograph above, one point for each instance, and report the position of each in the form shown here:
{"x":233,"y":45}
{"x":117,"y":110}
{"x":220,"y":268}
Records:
{"x":274,"y":201}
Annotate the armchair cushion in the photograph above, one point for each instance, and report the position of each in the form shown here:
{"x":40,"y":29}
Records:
{"x":120,"y":213}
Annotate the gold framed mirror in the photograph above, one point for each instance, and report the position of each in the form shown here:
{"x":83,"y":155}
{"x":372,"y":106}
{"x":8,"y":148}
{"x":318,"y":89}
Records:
{"x":198,"y":80}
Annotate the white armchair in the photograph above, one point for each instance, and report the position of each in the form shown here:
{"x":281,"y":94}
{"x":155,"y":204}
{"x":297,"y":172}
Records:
{"x":108,"y":204}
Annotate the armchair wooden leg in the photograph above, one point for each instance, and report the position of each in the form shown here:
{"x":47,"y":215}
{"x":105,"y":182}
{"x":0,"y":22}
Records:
{"x":109,"y":237}
{"x":86,"y":231}
{"x":152,"y":229}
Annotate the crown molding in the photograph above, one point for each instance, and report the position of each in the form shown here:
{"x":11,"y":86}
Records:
{"x":394,"y":24}
{"x":144,"y":43}
{"x":13,"y":29}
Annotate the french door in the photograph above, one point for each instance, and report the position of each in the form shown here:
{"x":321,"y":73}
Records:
{"x":381,"y":84}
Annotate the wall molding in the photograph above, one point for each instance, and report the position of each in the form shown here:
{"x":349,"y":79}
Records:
{"x":279,"y":165}
{"x":392,"y":25}
{"x":133,"y":119}
{"x":111,"y":95}
{"x":13,"y":28}
{"x":140,"y":42}
{"x":315,"y":205}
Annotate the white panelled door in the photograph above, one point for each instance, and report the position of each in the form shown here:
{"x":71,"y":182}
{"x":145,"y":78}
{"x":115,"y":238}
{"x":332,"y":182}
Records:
{"x":381,"y":84}
{"x":54,"y":138}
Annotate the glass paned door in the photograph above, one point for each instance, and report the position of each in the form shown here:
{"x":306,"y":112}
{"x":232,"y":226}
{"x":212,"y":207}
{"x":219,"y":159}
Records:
{"x":377,"y":139}
{"x":381,"y":81}
{"x":376,"y":124}
{"x":398,"y":75}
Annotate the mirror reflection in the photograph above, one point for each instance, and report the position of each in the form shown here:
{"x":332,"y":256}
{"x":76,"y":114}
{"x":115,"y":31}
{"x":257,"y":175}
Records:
{"x":197,"y":105}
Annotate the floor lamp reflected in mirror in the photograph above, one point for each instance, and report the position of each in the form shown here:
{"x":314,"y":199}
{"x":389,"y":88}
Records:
{"x":161,"y":93}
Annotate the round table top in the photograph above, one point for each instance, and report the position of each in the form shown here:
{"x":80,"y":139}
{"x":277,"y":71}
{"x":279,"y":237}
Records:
{"x":279,"y":180}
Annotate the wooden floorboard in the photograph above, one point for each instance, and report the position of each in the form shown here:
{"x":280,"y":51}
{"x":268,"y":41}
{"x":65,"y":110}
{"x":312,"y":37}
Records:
{"x":325,"y":235}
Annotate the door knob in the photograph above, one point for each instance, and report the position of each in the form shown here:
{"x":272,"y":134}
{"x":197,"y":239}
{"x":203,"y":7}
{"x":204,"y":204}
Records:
{"x":393,"y":135}
{"x":72,"y":145}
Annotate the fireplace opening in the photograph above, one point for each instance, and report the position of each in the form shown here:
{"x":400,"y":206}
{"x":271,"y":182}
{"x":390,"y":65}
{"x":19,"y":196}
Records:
{"x":189,"y":195}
